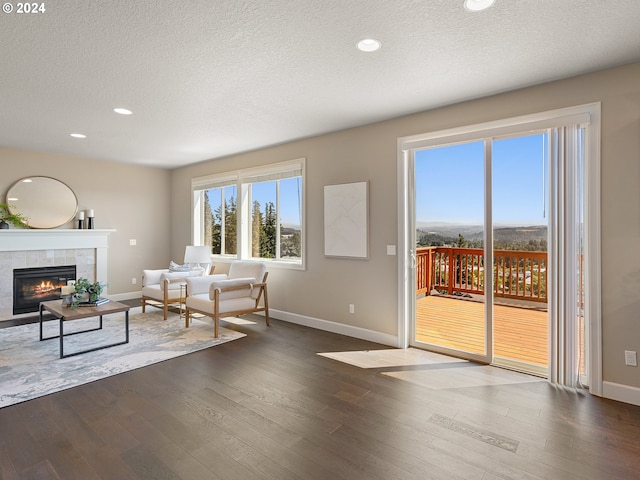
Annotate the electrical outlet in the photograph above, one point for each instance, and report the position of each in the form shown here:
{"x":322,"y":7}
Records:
{"x":134,"y":280}
{"x":132,"y":242}
{"x":630,"y":358}
{"x":352,"y":308}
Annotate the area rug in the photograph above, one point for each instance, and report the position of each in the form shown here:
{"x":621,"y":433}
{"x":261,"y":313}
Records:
{"x":30,"y":368}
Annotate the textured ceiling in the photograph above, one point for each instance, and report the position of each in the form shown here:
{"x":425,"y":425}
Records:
{"x":211,"y":78}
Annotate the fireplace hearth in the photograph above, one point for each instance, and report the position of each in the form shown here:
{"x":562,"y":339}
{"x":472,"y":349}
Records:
{"x":40,"y":284}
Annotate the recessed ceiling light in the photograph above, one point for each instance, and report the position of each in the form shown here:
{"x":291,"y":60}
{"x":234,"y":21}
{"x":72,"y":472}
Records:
{"x":369,"y":45}
{"x":478,"y":5}
{"x":122,"y":111}
{"x":78,"y":135}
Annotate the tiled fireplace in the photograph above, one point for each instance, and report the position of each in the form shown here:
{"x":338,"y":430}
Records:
{"x":25,"y":249}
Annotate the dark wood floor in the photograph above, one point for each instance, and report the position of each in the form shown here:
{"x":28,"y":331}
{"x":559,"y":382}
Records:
{"x":268,"y":407}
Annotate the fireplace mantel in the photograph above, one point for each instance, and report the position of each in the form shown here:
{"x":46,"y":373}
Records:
{"x":18,"y":240}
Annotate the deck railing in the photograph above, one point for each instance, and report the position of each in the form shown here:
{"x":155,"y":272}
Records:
{"x":520,"y":275}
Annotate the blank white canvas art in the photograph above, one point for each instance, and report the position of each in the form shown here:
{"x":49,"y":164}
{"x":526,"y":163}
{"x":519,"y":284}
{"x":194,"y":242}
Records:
{"x":346,"y":220}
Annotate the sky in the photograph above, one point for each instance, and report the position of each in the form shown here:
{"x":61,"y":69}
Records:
{"x":450,"y":182}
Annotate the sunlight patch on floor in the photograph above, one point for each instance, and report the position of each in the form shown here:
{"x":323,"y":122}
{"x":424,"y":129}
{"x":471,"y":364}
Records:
{"x":471,"y":376}
{"x":439,"y":372}
{"x":395,"y":357}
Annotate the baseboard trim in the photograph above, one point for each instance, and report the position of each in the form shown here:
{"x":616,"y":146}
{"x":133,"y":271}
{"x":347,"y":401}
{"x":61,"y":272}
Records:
{"x":621,"y":393}
{"x":125,"y":296}
{"x":334,"y":327}
{"x":318,"y":323}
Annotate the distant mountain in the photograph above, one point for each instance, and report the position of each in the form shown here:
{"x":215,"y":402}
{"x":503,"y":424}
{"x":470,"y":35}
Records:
{"x":451,"y":229}
{"x":532,"y":238}
{"x":520,"y":234}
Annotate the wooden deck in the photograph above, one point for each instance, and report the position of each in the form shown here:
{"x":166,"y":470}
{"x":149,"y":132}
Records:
{"x":520,"y":334}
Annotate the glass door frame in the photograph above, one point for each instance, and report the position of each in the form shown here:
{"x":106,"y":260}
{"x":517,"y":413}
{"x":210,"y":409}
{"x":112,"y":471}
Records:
{"x":488,"y":260}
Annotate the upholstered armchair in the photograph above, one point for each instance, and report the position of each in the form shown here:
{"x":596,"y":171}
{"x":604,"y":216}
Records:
{"x":162,"y":287}
{"x":243,"y":290}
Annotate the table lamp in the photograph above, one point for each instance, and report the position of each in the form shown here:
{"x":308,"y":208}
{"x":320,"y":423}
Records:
{"x":197,"y":254}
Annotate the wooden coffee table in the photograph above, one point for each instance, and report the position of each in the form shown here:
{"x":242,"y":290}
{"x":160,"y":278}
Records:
{"x":64,"y":313}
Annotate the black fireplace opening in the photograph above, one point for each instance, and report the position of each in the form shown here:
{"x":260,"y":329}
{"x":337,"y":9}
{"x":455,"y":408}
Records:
{"x":39,"y":284}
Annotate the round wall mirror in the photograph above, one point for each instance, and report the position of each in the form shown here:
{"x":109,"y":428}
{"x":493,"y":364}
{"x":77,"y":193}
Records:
{"x":45,"y":201}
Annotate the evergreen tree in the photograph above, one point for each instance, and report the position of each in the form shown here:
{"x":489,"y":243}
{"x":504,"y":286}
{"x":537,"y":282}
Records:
{"x":208,"y":221}
{"x":216,"y":231}
{"x":289,"y":243}
{"x":269,"y":231}
{"x":256,"y":229}
{"x":230,"y":226}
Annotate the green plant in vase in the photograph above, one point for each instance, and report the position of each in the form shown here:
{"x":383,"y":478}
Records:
{"x":86,"y":291}
{"x":6,"y":217}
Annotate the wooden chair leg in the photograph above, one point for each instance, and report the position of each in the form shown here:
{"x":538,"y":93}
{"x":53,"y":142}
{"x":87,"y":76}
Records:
{"x":216,"y":311}
{"x":186,"y":317}
{"x":266,"y":306}
{"x":166,"y":310}
{"x":144,"y":304}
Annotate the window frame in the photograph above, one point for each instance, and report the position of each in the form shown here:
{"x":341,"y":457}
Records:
{"x":243,"y":179}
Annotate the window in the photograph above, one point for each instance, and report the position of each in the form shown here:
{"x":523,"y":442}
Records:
{"x":252,"y":214}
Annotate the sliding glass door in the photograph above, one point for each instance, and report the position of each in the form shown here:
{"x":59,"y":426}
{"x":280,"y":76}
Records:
{"x":482,"y":290}
{"x":481,"y":254}
{"x":538,"y":172}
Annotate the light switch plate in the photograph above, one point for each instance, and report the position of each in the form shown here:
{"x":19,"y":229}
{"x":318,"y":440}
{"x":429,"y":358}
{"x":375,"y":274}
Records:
{"x":630,"y":358}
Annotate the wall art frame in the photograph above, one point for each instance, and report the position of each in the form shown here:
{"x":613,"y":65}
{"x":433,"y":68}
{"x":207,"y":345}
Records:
{"x":346,"y":220}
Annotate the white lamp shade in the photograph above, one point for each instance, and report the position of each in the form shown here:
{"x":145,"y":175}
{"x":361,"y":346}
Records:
{"x":197,"y":254}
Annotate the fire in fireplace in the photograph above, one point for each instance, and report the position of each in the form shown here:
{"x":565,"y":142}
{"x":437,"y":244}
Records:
{"x":40,"y":284}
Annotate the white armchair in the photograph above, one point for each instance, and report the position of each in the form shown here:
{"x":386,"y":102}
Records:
{"x":243,"y":290}
{"x":161,"y":287}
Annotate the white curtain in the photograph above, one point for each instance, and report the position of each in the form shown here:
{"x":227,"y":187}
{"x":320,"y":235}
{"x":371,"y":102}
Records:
{"x":565,"y":252}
